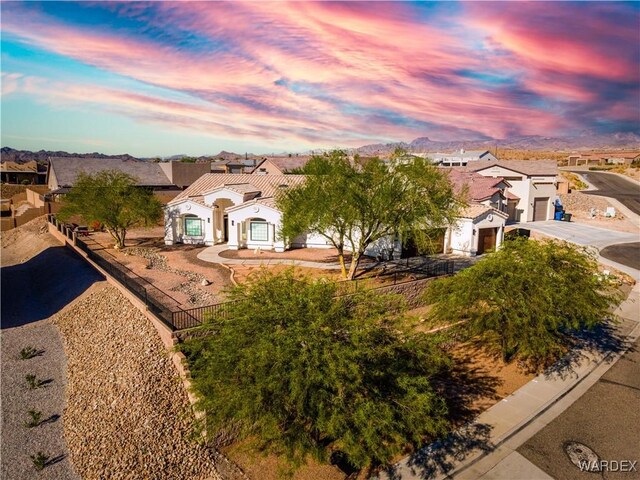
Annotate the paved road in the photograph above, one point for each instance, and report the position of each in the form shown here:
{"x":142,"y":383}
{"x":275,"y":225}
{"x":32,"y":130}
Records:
{"x":605,"y":419}
{"x":614,"y":186}
{"x":624,"y":253}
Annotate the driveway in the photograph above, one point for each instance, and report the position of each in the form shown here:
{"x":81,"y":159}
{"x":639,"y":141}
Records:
{"x":581,"y":234}
{"x":610,"y":185}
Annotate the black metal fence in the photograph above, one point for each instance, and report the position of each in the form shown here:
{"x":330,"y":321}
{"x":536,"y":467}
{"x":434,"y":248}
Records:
{"x":176,"y":318}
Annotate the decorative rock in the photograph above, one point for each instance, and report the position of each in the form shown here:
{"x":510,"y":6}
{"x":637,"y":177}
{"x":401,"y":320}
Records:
{"x":205,"y":282}
{"x":127,"y":413}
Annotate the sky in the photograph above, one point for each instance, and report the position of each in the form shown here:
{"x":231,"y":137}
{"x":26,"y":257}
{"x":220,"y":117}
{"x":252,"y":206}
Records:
{"x":194,"y":78}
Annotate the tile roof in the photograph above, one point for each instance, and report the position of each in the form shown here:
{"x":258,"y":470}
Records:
{"x":286,"y":164}
{"x":527,"y":167}
{"x":67,"y":169}
{"x":267,"y":185}
{"x":475,"y":210}
{"x":479,"y":187}
{"x":241,"y":187}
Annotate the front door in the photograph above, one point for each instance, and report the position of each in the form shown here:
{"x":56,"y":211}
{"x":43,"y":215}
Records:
{"x":225,"y":227}
{"x":540,"y":208}
{"x":486,"y":240}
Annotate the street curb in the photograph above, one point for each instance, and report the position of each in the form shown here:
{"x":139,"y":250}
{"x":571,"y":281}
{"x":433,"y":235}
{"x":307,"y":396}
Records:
{"x":610,"y":359}
{"x":474,"y":457}
{"x":631,"y":216}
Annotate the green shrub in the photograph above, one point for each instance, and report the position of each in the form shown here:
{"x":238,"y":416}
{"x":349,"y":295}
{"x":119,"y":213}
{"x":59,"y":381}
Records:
{"x":28,"y":352}
{"x":306,"y":374}
{"x":33,"y":382}
{"x":35,"y":417}
{"x":40,"y":460}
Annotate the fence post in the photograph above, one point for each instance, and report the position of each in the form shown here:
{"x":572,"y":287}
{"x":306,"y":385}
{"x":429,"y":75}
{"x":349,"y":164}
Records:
{"x":74,"y":238}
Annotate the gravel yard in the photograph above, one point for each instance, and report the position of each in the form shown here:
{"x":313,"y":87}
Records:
{"x":580,"y":204}
{"x":18,"y":441}
{"x":127,"y":414}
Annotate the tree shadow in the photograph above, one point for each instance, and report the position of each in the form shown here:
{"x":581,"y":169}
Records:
{"x":603,"y":340}
{"x":440,"y":457}
{"x":54,"y":460}
{"x":466,"y":388}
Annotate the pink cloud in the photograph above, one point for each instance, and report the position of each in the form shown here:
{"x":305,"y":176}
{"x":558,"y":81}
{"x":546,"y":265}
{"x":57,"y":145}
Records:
{"x":344,"y":72}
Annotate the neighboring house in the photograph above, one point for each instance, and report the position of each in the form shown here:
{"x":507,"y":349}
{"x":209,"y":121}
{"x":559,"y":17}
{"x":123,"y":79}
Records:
{"x":533,"y":187}
{"x":12,"y":172}
{"x":603,"y":158}
{"x":63,"y":172}
{"x":462,"y":158}
{"x":480,"y":227}
{"x":280,"y":165}
{"x":239,"y":165}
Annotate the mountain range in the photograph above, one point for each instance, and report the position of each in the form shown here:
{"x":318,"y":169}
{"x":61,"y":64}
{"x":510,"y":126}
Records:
{"x":585,"y":141}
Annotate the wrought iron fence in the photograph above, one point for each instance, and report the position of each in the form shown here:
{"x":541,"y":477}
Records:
{"x":176,"y":318}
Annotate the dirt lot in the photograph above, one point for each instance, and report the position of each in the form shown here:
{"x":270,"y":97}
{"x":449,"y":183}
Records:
{"x":174,"y":270}
{"x":25,"y":242}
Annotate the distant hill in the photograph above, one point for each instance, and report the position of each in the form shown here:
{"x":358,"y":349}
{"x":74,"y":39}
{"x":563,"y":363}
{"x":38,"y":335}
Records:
{"x":585,"y":141}
{"x":23,"y":156}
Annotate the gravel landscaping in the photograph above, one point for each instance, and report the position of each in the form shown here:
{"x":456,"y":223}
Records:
{"x":18,"y":441}
{"x":127,"y":414}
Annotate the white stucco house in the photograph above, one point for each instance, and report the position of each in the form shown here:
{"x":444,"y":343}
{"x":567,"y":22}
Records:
{"x":481,"y":224}
{"x":533,"y":187}
{"x":240,"y":211}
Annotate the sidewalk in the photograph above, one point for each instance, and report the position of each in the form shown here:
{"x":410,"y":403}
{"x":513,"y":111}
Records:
{"x":486,"y":449}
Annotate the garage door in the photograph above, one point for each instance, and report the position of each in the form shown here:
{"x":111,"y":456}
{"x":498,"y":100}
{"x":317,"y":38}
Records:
{"x":486,"y":240}
{"x":540,"y":208}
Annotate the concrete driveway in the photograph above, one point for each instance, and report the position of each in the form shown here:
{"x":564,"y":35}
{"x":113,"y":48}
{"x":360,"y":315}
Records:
{"x":581,"y":234}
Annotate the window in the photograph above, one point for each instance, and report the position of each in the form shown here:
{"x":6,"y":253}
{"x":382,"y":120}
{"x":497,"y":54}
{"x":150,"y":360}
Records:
{"x":193,"y":226}
{"x":259,"y":231}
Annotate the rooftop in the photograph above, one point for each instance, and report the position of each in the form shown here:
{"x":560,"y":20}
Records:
{"x":267,"y":185}
{"x":146,"y":173}
{"x":527,"y":167}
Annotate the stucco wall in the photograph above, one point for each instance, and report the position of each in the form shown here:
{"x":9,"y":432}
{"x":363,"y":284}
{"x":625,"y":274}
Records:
{"x":173,"y":215}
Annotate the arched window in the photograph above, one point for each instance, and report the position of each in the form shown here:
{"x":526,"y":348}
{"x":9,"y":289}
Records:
{"x":258,"y":230}
{"x":192,"y":225}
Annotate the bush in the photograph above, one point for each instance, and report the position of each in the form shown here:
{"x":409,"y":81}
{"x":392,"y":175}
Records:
{"x":35,"y":417}
{"x":33,"y":382}
{"x":28,"y":352}
{"x":307,"y":374}
{"x":39,"y":460}
{"x":526,"y":300}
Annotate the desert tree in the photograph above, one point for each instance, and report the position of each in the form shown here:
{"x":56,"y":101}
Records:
{"x":112,"y":198}
{"x":526,"y":300}
{"x":304,"y":373}
{"x":355,"y":203}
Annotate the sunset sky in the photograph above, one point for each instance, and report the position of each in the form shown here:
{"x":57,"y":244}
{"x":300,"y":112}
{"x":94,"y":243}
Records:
{"x":197,"y":77}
